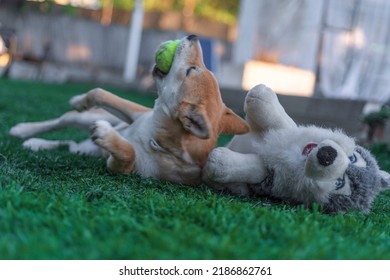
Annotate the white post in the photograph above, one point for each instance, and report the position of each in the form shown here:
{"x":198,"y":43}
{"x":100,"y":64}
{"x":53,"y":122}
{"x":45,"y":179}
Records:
{"x":134,"y":42}
{"x":243,"y":48}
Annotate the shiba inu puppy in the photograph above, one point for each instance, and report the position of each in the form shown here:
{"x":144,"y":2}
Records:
{"x":171,"y":141}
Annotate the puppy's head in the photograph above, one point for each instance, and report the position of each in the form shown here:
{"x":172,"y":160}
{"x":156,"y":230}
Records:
{"x":190,"y":94}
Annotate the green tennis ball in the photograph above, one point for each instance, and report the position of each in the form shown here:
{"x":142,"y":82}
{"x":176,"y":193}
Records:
{"x":165,"y":54}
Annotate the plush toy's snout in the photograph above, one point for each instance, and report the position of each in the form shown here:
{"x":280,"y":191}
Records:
{"x":326,"y":155}
{"x":326,"y":161}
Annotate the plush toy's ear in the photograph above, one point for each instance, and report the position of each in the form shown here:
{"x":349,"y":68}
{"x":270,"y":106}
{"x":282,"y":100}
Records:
{"x":385,"y":180}
{"x":232,"y":124}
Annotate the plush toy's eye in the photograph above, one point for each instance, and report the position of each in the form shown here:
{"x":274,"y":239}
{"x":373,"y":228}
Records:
{"x":340,"y":183}
{"x":357,"y":159}
{"x":353,"y":158}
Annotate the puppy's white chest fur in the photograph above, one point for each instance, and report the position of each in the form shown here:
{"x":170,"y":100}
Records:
{"x":140,"y":135}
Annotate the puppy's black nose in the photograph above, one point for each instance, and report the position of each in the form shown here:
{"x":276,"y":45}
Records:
{"x":192,"y":37}
{"x":326,"y":155}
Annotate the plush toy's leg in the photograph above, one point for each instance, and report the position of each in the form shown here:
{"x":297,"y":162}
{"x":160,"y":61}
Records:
{"x":226,"y":166}
{"x":264,"y":112}
{"x":122,"y":153}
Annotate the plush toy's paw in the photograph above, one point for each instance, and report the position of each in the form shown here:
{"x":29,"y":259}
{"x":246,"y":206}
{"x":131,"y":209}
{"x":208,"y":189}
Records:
{"x":259,"y":95}
{"x":262,"y":98}
{"x":264,"y":111}
{"x":102,"y":132}
{"x":218,"y":166}
{"x":81,"y":102}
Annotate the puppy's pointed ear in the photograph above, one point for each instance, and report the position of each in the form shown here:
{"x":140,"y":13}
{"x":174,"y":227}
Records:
{"x":232,"y":124}
{"x":194,"y":120}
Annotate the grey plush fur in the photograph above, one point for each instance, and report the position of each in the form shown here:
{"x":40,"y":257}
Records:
{"x":367,"y":182}
{"x":297,"y":164}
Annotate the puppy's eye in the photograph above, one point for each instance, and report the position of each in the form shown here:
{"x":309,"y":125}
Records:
{"x":353,"y":158}
{"x":189,"y":70}
{"x":339,"y":183}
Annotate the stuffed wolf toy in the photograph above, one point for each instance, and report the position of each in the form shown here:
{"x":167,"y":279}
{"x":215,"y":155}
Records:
{"x":298,"y":164}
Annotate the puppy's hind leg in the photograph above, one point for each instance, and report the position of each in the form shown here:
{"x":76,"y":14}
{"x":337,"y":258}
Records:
{"x":122,"y":154}
{"x":83,"y":120}
{"x":264,"y":112}
{"x":37,"y":144}
{"x":29,"y":129}
{"x":86,"y":147}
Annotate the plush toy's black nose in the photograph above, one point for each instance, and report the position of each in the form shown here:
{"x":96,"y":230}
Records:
{"x":326,"y":155}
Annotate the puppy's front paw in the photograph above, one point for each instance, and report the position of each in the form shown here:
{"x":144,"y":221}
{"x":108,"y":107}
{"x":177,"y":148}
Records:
{"x":101,"y":133}
{"x":80,"y":102}
{"x":21,"y":130}
{"x":216,"y":169}
{"x":37,"y":144}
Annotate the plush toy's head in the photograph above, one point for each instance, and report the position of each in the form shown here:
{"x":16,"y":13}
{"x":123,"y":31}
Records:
{"x":322,"y":166}
{"x":346,"y":174}
{"x":359,"y":185}
{"x":165,"y":54}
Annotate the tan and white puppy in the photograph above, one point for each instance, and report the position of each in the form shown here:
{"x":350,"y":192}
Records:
{"x":170,"y":142}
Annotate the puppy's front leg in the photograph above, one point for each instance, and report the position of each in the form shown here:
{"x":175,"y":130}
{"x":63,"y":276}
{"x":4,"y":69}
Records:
{"x":122,"y":153}
{"x":226,"y":166}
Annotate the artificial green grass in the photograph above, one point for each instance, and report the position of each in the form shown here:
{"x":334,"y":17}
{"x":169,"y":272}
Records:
{"x":57,"y":205}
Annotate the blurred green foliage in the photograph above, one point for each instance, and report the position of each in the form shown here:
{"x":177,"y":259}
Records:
{"x":224,"y":11}
{"x":382,"y":154}
{"x":379,"y":116}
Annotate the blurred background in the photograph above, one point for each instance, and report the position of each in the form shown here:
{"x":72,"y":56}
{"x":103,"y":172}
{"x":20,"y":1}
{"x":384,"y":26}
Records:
{"x":334,"y":54}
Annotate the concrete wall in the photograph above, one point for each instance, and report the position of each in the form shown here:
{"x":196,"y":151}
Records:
{"x":325,"y":112}
{"x":83,"y":41}
{"x":78,"y":41}
{"x":60,"y":47}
